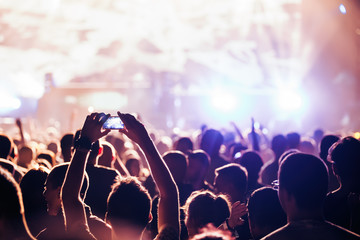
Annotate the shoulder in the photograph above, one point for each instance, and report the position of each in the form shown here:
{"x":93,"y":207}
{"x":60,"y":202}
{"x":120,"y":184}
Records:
{"x":278,"y":234}
{"x":103,"y":171}
{"x":342,"y":232}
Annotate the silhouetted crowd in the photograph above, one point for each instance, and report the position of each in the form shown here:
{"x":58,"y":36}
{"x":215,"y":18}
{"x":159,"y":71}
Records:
{"x":135,"y":183}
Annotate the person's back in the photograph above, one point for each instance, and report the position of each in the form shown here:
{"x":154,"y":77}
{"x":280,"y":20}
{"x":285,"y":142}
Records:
{"x":303,"y":181}
{"x":32,"y":188}
{"x":100,"y":181}
{"x":55,"y":227}
{"x":342,"y":206}
{"x":12,"y":221}
{"x":311,"y":229}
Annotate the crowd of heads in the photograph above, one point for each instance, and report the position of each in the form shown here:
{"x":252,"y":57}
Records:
{"x":229,"y":186}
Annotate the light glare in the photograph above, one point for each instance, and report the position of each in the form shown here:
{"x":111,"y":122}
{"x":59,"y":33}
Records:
{"x":224,"y":102}
{"x":342,"y":8}
{"x":289,"y":101}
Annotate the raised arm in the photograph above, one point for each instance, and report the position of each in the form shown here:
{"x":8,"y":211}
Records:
{"x":119,"y":165}
{"x":73,"y":205}
{"x":169,"y":196}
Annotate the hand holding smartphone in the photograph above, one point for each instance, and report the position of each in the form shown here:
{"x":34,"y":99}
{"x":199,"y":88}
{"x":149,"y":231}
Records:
{"x":113,"y":123}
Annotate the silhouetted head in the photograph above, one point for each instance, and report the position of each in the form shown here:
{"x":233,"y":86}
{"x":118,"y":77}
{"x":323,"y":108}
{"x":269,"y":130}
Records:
{"x":318,"y":135}
{"x":304,"y":177}
{"x":54,"y":147}
{"x":287,"y":153}
{"x":252,"y":162}
{"x":307,"y":146}
{"x":236,"y":148}
{"x":129,"y":206}
{"x":279,"y":145}
{"x":345,"y":155}
{"x":325,"y":145}
{"x":32,"y":188}
{"x":199,"y":162}
{"x":53,"y":186}
{"x":66,"y":144}
{"x":177,"y":164}
{"x":231,"y":179}
{"x":48,"y":156}
{"x":12,"y":221}
{"x":204,"y":207}
{"x":6,"y":146}
{"x":265,"y":212}
{"x":211,"y":142}
{"x":25,"y":156}
{"x":293,"y":140}
{"x":108,"y":154}
{"x":184,"y":145}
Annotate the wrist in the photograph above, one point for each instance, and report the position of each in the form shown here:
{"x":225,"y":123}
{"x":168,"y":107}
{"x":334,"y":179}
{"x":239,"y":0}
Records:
{"x":83,"y":143}
{"x":229,"y":225}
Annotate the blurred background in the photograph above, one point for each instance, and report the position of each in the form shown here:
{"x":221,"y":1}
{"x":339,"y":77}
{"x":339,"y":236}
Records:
{"x":290,"y":64}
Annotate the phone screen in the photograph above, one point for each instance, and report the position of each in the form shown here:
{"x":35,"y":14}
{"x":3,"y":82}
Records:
{"x":113,"y":122}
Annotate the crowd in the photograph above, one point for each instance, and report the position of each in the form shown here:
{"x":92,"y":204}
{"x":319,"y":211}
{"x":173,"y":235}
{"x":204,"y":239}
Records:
{"x":131,"y":184}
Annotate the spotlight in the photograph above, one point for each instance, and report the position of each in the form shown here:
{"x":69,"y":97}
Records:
{"x":224,"y":102}
{"x":357,"y":135}
{"x":342,"y":8}
{"x":9,"y":103}
{"x":289,"y":101}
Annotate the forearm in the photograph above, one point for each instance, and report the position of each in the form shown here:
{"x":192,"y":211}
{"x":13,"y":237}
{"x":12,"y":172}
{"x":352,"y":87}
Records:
{"x":169,"y":196}
{"x":158,"y":168}
{"x":70,"y":193}
{"x":75,"y":175}
{"x":119,"y":165}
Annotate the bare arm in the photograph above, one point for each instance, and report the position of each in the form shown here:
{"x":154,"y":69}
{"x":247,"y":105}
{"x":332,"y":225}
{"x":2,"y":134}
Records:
{"x":119,"y":165}
{"x":19,"y":125}
{"x":169,"y":196}
{"x":73,"y":205}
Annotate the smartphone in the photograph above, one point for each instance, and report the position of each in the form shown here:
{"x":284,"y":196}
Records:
{"x":113,"y":122}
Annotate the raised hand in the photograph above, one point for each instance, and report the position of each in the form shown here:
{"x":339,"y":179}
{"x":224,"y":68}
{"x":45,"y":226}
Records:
{"x":237,"y":211}
{"x":134,"y":129}
{"x":92,"y":128}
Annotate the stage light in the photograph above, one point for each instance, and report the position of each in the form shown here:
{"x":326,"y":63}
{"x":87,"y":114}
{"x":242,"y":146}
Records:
{"x":357,"y":135}
{"x":288,"y":100}
{"x":224,"y":102}
{"x":8,"y":103}
{"x":342,"y":8}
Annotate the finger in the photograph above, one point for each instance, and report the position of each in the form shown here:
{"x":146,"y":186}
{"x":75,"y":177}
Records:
{"x":122,"y":117}
{"x":124,"y":131}
{"x":99,"y":116}
{"x":105,"y":132}
{"x":104,"y":119}
{"x":236,"y":204}
{"x":93,"y":115}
